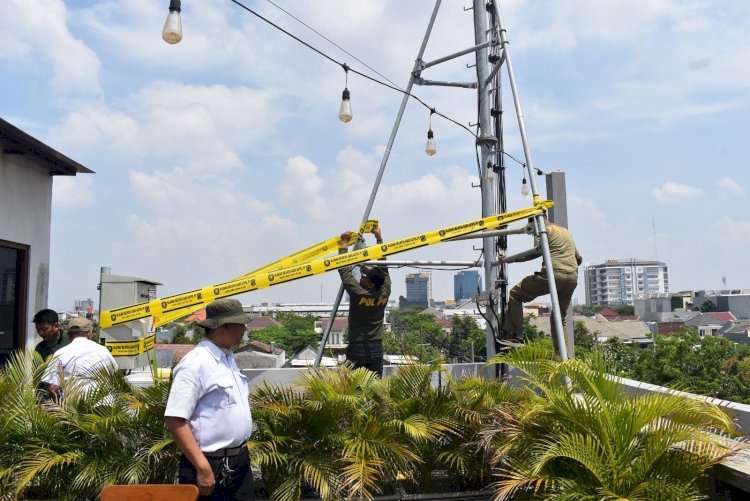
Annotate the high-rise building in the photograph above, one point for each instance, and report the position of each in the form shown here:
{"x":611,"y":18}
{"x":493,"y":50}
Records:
{"x":618,"y":281}
{"x":419,"y":288}
{"x":465,"y":284}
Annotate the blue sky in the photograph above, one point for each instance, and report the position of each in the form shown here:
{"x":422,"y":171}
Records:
{"x":223,"y":153}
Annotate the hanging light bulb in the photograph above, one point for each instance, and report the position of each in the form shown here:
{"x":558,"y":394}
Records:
{"x":430,"y":148}
{"x":345,"y":110}
{"x":172,"y":31}
{"x":524,"y":188}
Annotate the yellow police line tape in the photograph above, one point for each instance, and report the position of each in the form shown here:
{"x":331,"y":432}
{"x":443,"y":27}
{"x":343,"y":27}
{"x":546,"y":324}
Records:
{"x":303,"y":256}
{"x":263,"y":279}
{"x":130,"y":348}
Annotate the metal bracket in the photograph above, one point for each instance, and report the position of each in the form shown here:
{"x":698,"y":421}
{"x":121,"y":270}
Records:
{"x":487,"y":140}
{"x":465,"y":85}
{"x":488,"y":295}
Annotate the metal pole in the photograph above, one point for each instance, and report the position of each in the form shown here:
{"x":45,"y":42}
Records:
{"x":443,"y":59}
{"x":559,"y":333}
{"x":487,"y":141}
{"x":383,"y":163}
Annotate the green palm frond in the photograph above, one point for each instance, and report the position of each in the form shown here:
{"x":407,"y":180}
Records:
{"x":596,"y":440}
{"x":43,"y":461}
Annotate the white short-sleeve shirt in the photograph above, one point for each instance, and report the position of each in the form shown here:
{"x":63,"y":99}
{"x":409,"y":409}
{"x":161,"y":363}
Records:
{"x":211,"y":394}
{"x":79,"y":359}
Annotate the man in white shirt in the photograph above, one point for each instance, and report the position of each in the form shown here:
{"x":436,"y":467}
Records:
{"x":79,"y":361}
{"x":208,"y":411}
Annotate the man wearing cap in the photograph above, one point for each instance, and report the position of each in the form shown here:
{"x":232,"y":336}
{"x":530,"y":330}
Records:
{"x":47,"y":325}
{"x":368,"y":299}
{"x":80,"y":360}
{"x":208,"y":411}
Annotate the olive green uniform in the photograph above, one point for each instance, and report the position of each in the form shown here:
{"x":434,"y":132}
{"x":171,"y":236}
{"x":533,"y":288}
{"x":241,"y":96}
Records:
{"x":366,"y":307}
{"x":366,"y":315}
{"x":46,"y":351}
{"x":565,"y":261}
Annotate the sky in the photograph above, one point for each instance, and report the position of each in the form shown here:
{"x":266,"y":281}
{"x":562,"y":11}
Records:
{"x":223,"y":153}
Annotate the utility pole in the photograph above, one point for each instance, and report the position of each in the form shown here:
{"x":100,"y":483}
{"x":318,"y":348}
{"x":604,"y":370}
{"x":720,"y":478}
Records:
{"x":487,"y":142}
{"x":491,"y":54}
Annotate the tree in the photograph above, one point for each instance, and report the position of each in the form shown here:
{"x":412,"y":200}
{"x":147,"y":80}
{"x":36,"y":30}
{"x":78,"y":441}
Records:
{"x":530,"y":332}
{"x":712,"y":366}
{"x":707,"y":306}
{"x":296,"y":323}
{"x":584,"y":340}
{"x":619,"y":355}
{"x":468,"y":339}
{"x":417,"y":334}
{"x":180,"y":336}
{"x":290,"y":341}
{"x":625,"y":309}
{"x":587,"y":311}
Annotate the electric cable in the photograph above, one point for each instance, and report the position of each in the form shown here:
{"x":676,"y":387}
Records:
{"x":332,"y":42}
{"x":347,"y":68}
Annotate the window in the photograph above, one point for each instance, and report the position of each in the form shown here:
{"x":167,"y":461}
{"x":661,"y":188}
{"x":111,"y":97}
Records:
{"x":13,"y":288}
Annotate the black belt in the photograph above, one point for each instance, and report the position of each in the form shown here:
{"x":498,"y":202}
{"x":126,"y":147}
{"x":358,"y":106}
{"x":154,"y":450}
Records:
{"x":229,"y":451}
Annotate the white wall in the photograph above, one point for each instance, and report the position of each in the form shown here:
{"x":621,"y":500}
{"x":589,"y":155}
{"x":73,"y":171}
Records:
{"x":25,"y":213}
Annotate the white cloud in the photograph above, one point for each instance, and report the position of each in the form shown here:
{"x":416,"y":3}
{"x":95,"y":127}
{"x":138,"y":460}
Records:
{"x":564,"y":25}
{"x":37,"y":33}
{"x":73,"y":191}
{"x":303,"y":189}
{"x":730,"y":187}
{"x":671,"y":192}
{"x":586,"y":213}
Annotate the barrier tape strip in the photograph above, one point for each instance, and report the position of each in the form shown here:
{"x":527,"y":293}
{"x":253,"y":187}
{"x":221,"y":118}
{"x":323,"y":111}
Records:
{"x":130,"y":348}
{"x":320,"y":249}
{"x":264,"y":279}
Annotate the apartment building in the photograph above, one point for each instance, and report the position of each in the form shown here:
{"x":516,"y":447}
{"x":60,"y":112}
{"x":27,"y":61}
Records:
{"x":618,"y":281}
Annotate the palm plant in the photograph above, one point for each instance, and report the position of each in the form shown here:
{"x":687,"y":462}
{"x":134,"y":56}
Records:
{"x":326,"y":432}
{"x":579,"y":436}
{"x":72,"y":448}
{"x":346,"y":433}
{"x":441,"y":422}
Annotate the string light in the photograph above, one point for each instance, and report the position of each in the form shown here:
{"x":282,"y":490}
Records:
{"x":326,"y":56}
{"x":345,"y":110}
{"x":172,"y":31}
{"x":524,"y":187}
{"x":430,"y":147}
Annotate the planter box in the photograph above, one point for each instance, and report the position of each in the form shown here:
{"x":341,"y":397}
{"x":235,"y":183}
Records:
{"x":433,"y":496}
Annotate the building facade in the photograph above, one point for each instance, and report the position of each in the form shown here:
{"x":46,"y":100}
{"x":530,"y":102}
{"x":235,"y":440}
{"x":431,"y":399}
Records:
{"x":466,"y":283}
{"x":419,"y":288}
{"x":27,"y":169}
{"x":618,"y":281}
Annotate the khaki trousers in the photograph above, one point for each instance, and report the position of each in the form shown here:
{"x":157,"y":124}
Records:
{"x":532,"y":287}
